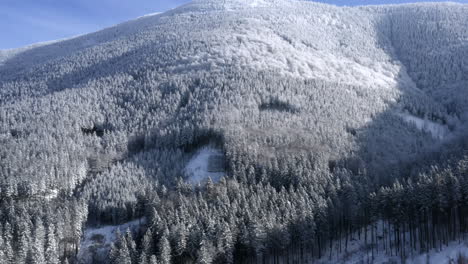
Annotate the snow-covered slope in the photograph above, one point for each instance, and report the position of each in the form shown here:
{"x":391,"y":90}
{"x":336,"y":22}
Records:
{"x":293,"y":93}
{"x":300,"y":39}
{"x":343,"y":67}
{"x":295,"y":38}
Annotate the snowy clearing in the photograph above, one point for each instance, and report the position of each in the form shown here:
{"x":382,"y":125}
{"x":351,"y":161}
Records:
{"x":206,"y":163}
{"x":96,"y":242}
{"x":437,"y":130}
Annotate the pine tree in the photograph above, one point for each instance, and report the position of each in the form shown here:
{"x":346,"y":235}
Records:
{"x":131,"y":245}
{"x":193,"y":242}
{"x":23,"y":242}
{"x":51,"y":254}
{"x":146,"y":247}
{"x":227,"y":243}
{"x":164,"y":250}
{"x":205,"y":253}
{"x":115,"y":247}
{"x":37,"y":248}
{"x":180,"y":241}
{"x":8,"y":252}
{"x":257,"y":236}
{"x":36,"y":254}
{"x":3,"y":258}
{"x":153,"y":260}
{"x":113,"y":252}
{"x":123,"y":255}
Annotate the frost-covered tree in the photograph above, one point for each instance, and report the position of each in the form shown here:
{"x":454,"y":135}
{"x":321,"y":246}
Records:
{"x":333,"y":123}
{"x":51,"y":254}
{"x":164,"y":250}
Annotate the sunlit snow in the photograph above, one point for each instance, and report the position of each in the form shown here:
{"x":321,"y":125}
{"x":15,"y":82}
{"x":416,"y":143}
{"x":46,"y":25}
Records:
{"x":257,"y":3}
{"x":52,"y":194}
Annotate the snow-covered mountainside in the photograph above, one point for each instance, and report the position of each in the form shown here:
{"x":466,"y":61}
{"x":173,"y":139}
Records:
{"x":160,"y":75}
{"x":295,"y":95}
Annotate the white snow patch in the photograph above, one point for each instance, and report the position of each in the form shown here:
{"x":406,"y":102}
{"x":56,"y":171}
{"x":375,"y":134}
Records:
{"x":437,"y":130}
{"x":99,"y":240}
{"x":197,"y":168}
{"x":52,"y":194}
{"x":447,"y":255}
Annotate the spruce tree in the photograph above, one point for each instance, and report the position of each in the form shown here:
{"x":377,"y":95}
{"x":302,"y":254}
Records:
{"x":227,"y":243}
{"x":131,"y":245}
{"x":146,"y":247}
{"x":180,"y":241}
{"x":37,"y":248}
{"x":23,"y":242}
{"x":3,"y":258}
{"x":153,"y":260}
{"x":205,"y":253}
{"x":123,"y":255}
{"x":164,"y":250}
{"x":51,"y":248}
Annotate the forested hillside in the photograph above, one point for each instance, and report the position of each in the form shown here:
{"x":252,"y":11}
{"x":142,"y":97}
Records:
{"x":319,"y":125}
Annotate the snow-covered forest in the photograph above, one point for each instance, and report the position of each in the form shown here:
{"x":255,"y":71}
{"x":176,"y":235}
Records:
{"x":268,"y":131}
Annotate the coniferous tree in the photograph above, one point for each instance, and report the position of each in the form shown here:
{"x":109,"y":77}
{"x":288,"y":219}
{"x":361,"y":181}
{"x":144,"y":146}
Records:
{"x":164,"y":250}
{"x":147,"y":248}
{"x":51,"y":254}
{"x":131,"y":245}
{"x":205,"y":253}
{"x":23,"y":245}
{"x":226,"y":243}
{"x":37,"y":248}
{"x":153,"y":259}
{"x":123,"y":255}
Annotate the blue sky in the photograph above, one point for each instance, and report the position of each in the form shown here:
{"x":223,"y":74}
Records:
{"x":24,"y":22}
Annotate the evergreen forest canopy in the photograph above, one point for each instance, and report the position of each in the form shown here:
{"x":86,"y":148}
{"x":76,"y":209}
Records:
{"x":336,"y":124}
